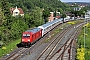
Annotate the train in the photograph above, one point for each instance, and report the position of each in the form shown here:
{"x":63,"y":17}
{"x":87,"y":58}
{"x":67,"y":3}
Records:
{"x":31,"y":36}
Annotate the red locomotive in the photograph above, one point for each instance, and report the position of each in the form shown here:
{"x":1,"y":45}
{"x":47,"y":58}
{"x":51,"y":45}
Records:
{"x":30,"y":36}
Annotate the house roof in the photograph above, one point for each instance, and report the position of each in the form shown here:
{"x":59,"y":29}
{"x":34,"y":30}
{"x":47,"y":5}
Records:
{"x":12,"y":9}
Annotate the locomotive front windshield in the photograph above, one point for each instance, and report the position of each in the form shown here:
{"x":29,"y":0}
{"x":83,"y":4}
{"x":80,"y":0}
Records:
{"x":26,"y":35}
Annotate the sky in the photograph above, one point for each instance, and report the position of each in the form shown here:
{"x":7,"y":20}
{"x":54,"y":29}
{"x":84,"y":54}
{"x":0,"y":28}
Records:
{"x":75,"y":0}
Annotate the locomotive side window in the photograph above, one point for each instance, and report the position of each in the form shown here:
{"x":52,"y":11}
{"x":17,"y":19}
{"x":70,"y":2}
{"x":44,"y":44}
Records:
{"x":26,"y":35}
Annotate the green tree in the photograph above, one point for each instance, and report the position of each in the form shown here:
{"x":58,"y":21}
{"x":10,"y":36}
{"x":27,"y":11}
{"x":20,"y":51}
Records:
{"x":63,"y":16}
{"x":27,"y":20}
{"x":5,"y":8}
{"x":1,"y":17}
{"x":60,"y":10}
{"x":46,"y":14}
{"x":17,"y":28}
{"x":36,"y":16}
{"x":6,"y":11}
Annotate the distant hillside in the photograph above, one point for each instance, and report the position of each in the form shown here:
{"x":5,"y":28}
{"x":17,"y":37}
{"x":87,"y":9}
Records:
{"x":83,"y":3}
{"x":30,"y":4}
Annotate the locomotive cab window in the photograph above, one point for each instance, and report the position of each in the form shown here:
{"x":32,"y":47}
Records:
{"x":26,"y":35}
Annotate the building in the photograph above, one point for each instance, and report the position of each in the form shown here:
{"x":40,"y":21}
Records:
{"x":51,"y":18}
{"x":16,"y":11}
{"x":77,"y":8}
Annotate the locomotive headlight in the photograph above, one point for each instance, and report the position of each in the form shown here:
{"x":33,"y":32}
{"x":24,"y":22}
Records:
{"x":29,"y":40}
{"x":22,"y":39}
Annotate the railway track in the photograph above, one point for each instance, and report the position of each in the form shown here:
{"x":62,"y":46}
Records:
{"x":21,"y":51}
{"x":16,"y":54}
{"x":60,"y":53}
{"x":45,"y":55}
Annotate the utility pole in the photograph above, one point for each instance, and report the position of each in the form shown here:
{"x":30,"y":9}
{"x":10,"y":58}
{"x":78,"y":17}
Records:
{"x":84,"y":31}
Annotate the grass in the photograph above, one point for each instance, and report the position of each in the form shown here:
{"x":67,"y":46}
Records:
{"x":87,"y":42}
{"x":74,"y":22}
{"x":8,"y":48}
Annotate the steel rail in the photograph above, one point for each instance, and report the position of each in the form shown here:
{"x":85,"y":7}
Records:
{"x":61,"y":36}
{"x":62,"y":47}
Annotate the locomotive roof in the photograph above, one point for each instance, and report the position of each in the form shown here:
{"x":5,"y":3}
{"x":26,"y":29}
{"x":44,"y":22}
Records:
{"x":34,"y":30}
